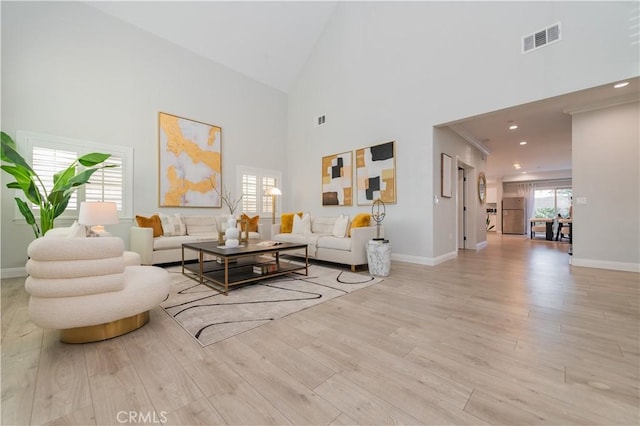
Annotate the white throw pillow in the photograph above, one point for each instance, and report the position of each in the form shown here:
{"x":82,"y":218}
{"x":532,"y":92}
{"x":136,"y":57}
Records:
{"x":77,"y":231}
{"x":301,"y":225}
{"x":341,"y":226}
{"x":172,"y":225}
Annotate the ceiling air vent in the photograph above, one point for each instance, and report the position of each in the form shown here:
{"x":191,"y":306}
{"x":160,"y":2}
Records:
{"x":541,"y":38}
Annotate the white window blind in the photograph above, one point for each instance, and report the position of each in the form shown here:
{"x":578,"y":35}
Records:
{"x":250,"y":191}
{"x":49,"y":155}
{"x":46,"y":162}
{"x":107,"y":184}
{"x":255,"y":185}
{"x":268,"y":182}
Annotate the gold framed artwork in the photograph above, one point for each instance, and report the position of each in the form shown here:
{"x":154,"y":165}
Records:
{"x":445,"y":177}
{"x":190,"y":163}
{"x":376,"y":174}
{"x":337,"y":179}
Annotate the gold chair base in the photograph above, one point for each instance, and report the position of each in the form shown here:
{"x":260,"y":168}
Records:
{"x":95,"y":333}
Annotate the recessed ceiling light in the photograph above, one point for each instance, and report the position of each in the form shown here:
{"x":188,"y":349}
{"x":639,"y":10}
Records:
{"x":517,"y":165}
{"x":524,"y":173}
{"x":523,"y":143}
{"x":513,"y":127}
{"x":621,"y":84}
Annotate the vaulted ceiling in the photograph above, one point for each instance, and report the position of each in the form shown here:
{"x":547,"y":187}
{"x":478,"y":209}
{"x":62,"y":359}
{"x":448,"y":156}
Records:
{"x":271,"y":41}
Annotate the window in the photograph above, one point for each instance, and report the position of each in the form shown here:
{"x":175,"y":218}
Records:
{"x":51,"y":154}
{"x":256,"y":185}
{"x":550,"y":202}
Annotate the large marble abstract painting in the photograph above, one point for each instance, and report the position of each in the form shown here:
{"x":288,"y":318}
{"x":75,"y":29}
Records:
{"x":190,"y":162}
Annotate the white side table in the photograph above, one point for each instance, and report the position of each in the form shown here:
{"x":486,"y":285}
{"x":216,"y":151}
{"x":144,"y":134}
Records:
{"x":379,"y":257}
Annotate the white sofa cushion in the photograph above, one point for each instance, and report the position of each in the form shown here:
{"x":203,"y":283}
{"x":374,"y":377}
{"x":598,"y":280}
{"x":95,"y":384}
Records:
{"x":74,"y":231}
{"x":335,"y":243}
{"x":172,"y":225}
{"x":323,"y":224}
{"x":197,"y":225}
{"x":167,"y":243}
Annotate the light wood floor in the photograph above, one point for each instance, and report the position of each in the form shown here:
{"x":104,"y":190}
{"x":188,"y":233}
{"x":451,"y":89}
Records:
{"x":507,"y":335}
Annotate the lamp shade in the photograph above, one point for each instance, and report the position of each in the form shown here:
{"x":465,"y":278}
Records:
{"x":275,"y":191}
{"x":98,"y":213}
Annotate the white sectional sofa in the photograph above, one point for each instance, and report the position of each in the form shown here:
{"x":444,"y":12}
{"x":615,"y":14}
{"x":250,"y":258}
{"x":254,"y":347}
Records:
{"x":323,"y":244}
{"x":168,"y":247}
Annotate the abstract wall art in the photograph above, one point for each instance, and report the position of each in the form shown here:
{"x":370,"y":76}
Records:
{"x":376,"y":174}
{"x":337,"y":181}
{"x":190,"y":166}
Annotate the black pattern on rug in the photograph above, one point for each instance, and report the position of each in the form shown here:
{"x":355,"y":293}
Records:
{"x":210,"y":316}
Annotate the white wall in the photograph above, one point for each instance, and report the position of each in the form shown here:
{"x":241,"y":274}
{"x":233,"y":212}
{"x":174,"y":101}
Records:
{"x":447,"y":210}
{"x":394,"y":70}
{"x":606,"y":159}
{"x":71,"y":70}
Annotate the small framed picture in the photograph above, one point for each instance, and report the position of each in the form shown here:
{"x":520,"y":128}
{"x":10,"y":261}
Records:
{"x":446,"y":176}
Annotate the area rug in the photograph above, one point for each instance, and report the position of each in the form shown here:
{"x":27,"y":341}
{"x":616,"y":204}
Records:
{"x":210,"y":316}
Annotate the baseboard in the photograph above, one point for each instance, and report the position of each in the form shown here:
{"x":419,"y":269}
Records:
{"x":605,"y":264}
{"x":13,"y":272}
{"x":420,"y":260}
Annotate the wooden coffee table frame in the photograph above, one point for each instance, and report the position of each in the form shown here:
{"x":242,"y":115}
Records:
{"x":236,"y":264}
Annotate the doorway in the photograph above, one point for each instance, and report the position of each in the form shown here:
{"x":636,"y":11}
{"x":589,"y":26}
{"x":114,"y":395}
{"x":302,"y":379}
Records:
{"x":462,"y":208}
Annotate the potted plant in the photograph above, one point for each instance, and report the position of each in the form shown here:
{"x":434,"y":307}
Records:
{"x":51,"y":203}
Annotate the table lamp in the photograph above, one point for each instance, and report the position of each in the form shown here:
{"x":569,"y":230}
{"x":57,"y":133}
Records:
{"x":97,"y":214}
{"x":274,"y":191}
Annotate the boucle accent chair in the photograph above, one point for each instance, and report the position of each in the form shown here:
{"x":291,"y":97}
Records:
{"x":82,"y":287}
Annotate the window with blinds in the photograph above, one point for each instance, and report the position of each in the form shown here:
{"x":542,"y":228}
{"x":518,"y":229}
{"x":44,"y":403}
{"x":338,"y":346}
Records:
{"x":52,"y":154}
{"x":47,"y":162}
{"x":107,"y":184}
{"x":250,"y":191}
{"x":256,"y":185}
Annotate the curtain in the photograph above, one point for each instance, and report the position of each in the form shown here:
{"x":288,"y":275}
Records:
{"x":528,"y":191}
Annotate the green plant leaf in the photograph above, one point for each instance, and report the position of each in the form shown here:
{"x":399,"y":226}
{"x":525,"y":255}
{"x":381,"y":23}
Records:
{"x":93,"y":158}
{"x":19,"y":173}
{"x":5,"y":140}
{"x":24,"y":181}
{"x":82,"y":177}
{"x":11,"y":155}
{"x":61,"y":206}
{"x":28,"y":216}
{"x":61,"y":179}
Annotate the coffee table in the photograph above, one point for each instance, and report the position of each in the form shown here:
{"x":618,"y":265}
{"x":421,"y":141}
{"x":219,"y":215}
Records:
{"x":240,"y":265}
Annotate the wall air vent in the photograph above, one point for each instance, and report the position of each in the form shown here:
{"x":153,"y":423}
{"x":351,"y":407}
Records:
{"x":541,"y":38}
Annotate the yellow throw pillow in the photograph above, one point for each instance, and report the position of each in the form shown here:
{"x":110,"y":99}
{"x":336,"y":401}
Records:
{"x":286,"y":222}
{"x":253,"y":222}
{"x":151,"y":222}
{"x":359,"y":221}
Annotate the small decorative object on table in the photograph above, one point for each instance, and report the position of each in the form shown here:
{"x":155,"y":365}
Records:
{"x":232,"y":233}
{"x":378,"y":212}
{"x":379,"y":249}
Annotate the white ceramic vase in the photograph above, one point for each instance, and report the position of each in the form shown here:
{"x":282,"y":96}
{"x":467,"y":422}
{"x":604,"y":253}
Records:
{"x":232,"y":233}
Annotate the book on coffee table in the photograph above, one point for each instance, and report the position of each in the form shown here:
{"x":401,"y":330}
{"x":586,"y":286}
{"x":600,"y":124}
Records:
{"x":268,"y":243}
